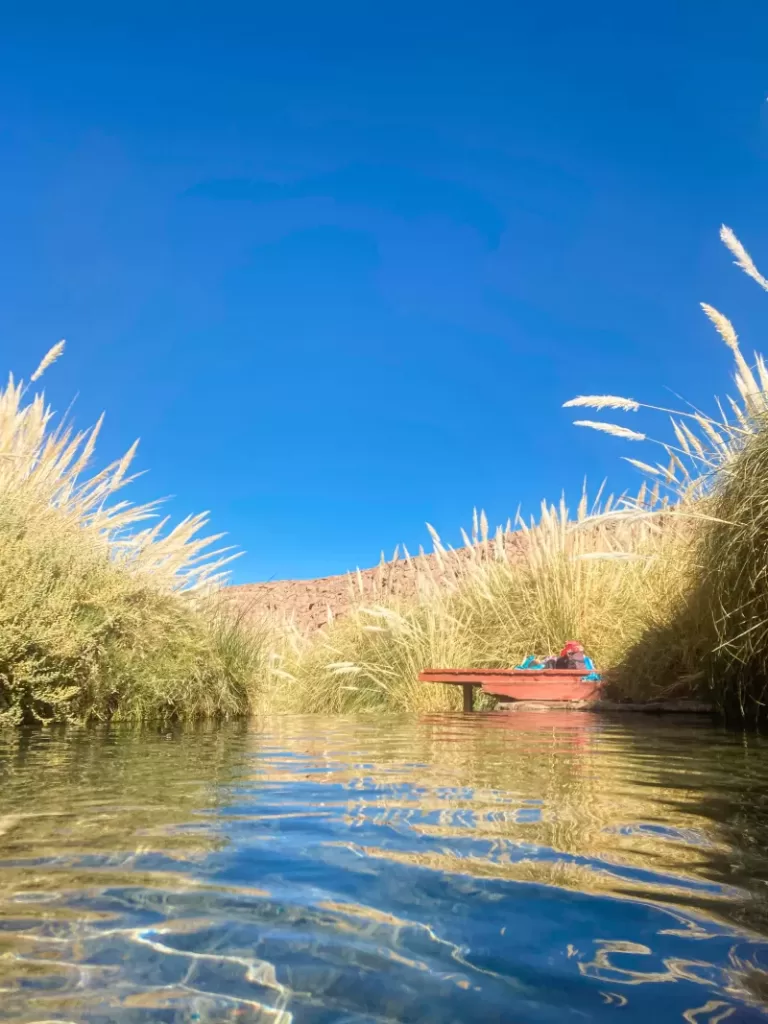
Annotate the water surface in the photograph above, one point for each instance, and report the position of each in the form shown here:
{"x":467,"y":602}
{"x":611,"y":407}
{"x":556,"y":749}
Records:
{"x":512,"y":868}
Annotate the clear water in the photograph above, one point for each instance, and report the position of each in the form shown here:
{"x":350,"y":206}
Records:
{"x":498,"y":867}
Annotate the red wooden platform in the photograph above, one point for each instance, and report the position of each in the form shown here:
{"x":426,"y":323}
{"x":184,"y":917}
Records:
{"x":547,"y":684}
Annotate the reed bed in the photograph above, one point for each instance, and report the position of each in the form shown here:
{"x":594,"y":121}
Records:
{"x":601,"y":575}
{"x":105,"y":611}
{"x":715,"y":473}
{"x":667,"y":588}
{"x":728,"y":604}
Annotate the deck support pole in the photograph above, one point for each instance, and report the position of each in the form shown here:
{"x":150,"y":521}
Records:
{"x":468,"y":690}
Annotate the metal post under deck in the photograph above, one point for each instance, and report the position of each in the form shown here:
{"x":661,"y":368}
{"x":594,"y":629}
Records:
{"x":468,"y":689}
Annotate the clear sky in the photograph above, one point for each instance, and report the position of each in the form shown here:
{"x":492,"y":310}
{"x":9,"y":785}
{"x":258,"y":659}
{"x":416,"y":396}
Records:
{"x":339,"y":266}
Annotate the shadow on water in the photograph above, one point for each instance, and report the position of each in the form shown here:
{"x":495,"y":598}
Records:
{"x":726,"y":785}
{"x":451,"y":868}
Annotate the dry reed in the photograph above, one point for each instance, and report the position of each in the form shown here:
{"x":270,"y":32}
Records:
{"x":102,"y":614}
{"x":668,"y":589}
{"x":715,"y":635}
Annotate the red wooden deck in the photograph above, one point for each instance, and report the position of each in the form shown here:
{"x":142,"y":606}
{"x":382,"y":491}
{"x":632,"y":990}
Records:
{"x":548,"y":684}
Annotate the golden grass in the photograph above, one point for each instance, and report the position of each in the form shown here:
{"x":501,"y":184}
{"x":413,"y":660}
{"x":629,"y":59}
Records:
{"x":103,"y":615}
{"x":714,"y":635}
{"x":654,"y":584}
{"x":597,"y":575}
{"x":106,"y":612}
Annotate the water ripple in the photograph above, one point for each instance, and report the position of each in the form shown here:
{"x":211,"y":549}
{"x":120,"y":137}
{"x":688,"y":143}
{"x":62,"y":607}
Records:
{"x":448,"y":869}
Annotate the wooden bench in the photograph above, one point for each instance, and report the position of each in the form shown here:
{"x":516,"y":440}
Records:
{"x":549,"y":684}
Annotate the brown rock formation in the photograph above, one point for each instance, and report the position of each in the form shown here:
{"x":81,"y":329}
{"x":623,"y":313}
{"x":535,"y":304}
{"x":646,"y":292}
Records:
{"x":307,"y":602}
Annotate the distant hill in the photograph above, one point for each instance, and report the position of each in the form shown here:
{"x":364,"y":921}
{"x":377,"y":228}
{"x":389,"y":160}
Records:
{"x":306,"y":602}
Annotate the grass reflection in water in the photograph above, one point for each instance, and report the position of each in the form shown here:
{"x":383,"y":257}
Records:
{"x":306,"y":869}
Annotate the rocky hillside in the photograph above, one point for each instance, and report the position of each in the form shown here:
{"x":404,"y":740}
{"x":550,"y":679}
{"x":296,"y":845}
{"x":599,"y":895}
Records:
{"x":307,"y":602}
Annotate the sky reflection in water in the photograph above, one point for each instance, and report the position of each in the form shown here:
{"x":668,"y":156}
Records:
{"x":498,"y":867}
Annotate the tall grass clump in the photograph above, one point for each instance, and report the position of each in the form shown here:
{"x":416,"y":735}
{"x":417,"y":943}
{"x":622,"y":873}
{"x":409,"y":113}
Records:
{"x":668,"y":589}
{"x":588,"y":576}
{"x":370,"y":660}
{"x":716,"y":474}
{"x":104,"y":613}
{"x":733,"y":587}
{"x":592,"y":575}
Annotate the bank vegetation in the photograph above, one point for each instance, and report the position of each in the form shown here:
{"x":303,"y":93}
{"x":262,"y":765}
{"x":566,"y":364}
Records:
{"x":107,"y":612}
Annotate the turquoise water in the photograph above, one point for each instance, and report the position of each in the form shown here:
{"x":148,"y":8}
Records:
{"x":524,"y":867}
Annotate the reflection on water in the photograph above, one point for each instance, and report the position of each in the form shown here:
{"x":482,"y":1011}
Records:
{"x":496,"y":867}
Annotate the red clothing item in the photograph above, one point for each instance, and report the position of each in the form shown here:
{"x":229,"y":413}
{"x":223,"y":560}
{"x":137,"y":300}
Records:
{"x":572,"y":647}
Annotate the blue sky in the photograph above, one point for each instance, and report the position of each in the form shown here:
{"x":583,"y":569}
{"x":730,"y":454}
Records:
{"x":338,"y":266}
